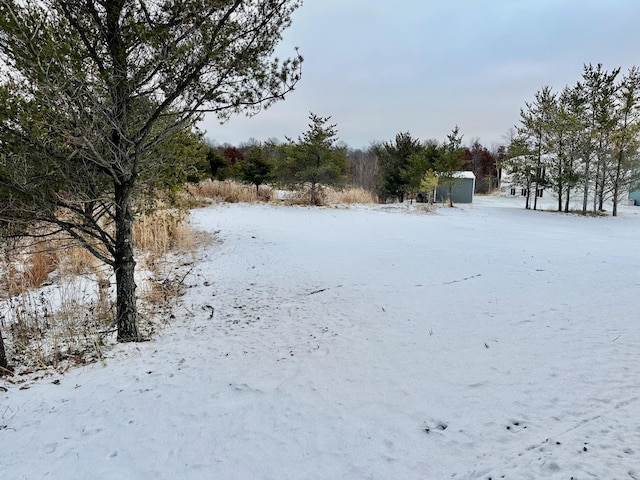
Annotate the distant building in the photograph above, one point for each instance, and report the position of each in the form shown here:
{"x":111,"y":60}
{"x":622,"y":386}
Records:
{"x":461,"y":191}
{"x":508,"y":187}
{"x":511,"y":188}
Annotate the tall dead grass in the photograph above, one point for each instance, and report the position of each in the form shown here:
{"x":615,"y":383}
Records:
{"x":46,"y":320}
{"x":162,"y":231}
{"x":28,"y":270}
{"x":166,"y":245}
{"x":352,"y":195}
{"x":330,"y":196}
{"x":59,"y":308}
{"x":74,"y":260}
{"x":59,"y":327}
{"x":230,"y":191}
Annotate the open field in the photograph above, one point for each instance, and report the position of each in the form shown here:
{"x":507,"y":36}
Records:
{"x":375,"y":342}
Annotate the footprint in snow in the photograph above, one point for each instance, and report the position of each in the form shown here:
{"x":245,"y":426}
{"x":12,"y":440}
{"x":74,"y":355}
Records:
{"x":435,"y":427}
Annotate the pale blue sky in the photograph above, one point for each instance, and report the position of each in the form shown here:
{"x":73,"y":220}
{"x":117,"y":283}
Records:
{"x":379,"y":67}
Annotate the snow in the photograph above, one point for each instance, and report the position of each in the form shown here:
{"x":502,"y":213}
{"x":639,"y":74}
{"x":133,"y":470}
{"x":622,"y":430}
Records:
{"x":464,"y":174}
{"x":483,"y":341}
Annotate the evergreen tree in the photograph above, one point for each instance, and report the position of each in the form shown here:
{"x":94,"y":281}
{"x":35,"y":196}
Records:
{"x":598,"y":88}
{"x":218,"y":165}
{"x":450,"y":162}
{"x":91,"y":88}
{"x":564,"y":144}
{"x":255,"y":168}
{"x":626,"y":164}
{"x":520,"y":164}
{"x":535,"y":126}
{"x":588,"y":136}
{"x":315,"y":160}
{"x":399,"y":168}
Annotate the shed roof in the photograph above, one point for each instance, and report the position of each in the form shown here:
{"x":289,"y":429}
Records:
{"x":464,"y":175}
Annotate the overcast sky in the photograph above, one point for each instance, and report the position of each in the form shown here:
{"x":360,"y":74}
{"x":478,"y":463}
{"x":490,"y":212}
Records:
{"x":380,"y":67}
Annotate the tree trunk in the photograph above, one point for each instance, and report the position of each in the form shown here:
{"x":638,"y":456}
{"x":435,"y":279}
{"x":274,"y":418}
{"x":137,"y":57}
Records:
{"x":568,"y":196}
{"x":560,"y":198}
{"x":585,"y":197}
{"x":616,"y":184}
{"x":560,"y":184}
{"x":596,"y":187}
{"x":537,"y":183}
{"x":602,"y":189}
{"x":127,"y":313}
{"x":4,"y":364}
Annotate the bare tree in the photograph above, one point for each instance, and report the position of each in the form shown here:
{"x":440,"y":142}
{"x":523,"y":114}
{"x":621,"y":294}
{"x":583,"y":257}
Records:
{"x":364,"y":168}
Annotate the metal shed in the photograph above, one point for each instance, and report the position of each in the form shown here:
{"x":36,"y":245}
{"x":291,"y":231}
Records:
{"x":462,"y":189}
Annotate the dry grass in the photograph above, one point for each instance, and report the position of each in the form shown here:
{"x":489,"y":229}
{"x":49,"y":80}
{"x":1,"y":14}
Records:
{"x":57,"y":329}
{"x":234,"y":192}
{"x":162,"y":231}
{"x":162,"y":292}
{"x":588,"y":213}
{"x":350,"y":196}
{"x":230,"y":191}
{"x":72,"y":320}
{"x":331,"y":196}
{"x":39,"y":266}
{"x":166,"y":245}
{"x":75,"y":260}
{"x":27,"y":270}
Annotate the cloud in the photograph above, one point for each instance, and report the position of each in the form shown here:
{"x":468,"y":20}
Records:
{"x":381,"y":67}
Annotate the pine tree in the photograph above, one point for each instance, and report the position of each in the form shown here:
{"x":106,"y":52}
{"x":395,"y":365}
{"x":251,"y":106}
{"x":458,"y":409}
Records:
{"x":91,"y":88}
{"x":450,"y":162}
{"x":598,"y":89}
{"x":520,"y":165}
{"x":535,"y":127}
{"x":398,"y":176}
{"x":625,"y":136}
{"x":255,"y":168}
{"x":315,"y":160}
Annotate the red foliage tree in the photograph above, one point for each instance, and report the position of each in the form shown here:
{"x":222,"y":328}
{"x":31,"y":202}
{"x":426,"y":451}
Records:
{"x":233,"y":155}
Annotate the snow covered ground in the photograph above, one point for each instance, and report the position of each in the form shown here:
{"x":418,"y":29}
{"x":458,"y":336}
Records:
{"x":484,"y":341}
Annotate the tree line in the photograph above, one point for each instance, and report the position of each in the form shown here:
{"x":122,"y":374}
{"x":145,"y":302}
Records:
{"x":392,"y":170}
{"x":581,"y":142}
